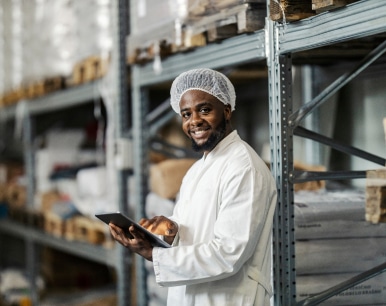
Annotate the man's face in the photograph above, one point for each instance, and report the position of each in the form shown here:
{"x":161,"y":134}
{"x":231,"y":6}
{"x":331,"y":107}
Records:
{"x":205,"y":120}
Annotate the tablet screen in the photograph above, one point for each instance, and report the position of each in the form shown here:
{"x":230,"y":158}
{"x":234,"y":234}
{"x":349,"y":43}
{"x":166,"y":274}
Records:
{"x":125,"y":222}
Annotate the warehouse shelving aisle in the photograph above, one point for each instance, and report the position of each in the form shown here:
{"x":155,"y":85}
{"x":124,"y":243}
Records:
{"x":56,"y":102}
{"x":275,"y":44}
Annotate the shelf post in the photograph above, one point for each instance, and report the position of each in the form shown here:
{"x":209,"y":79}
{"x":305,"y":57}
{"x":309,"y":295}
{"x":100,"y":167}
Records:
{"x":280,"y":107}
{"x":120,"y":15}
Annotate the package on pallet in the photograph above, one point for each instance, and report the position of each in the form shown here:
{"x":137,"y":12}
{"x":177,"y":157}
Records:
{"x":170,"y":26}
{"x":94,"y":36}
{"x":338,"y":214}
{"x":7,"y":72}
{"x":329,"y":256}
{"x":369,"y":292}
{"x":50,"y":36}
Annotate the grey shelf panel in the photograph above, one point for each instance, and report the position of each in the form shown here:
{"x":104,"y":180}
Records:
{"x":85,"y":250}
{"x":58,"y":100}
{"x":356,"y":20}
{"x":229,"y":52}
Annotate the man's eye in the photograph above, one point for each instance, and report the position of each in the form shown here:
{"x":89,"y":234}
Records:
{"x":185,"y":115}
{"x":204,"y":110}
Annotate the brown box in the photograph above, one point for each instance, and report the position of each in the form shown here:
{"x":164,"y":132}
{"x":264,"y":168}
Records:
{"x":166,"y":176}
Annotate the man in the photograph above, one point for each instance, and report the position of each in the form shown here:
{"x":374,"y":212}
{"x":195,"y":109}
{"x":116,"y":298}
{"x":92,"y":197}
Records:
{"x":220,"y":229}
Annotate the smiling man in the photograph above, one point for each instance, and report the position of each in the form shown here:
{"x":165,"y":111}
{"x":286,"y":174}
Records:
{"x":220,"y":229}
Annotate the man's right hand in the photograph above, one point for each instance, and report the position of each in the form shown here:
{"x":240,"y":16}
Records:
{"x":161,"y":225}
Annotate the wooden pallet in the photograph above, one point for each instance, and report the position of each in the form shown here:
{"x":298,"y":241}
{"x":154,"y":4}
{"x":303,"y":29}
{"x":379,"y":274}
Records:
{"x":16,"y":195}
{"x":325,"y":5}
{"x":92,"y":68}
{"x":54,"y":225}
{"x":28,"y":217}
{"x":32,"y":90}
{"x":11,"y":97}
{"x":43,"y":87}
{"x":199,"y":31}
{"x":290,"y":10}
{"x":81,"y":228}
{"x":235,"y":20}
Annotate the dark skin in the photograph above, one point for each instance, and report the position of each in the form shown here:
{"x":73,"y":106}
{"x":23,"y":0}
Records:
{"x":206,"y":121}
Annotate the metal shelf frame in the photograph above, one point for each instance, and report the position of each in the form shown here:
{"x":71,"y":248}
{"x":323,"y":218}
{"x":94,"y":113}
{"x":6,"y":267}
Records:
{"x":358,"y":20}
{"x":96,"y":253}
{"x":275,"y":44}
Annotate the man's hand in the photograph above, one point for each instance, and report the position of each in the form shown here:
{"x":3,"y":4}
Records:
{"x":137,"y":243}
{"x":161,"y":225}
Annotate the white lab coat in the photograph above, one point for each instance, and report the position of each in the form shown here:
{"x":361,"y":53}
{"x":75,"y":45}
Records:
{"x":222,"y":253}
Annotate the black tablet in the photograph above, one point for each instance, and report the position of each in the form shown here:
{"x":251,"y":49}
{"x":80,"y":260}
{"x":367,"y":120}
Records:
{"x":125,"y":222}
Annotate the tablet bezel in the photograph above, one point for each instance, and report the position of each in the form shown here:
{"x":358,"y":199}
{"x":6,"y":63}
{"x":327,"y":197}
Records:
{"x":124,"y":222}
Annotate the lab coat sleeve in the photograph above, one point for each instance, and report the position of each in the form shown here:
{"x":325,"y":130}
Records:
{"x":243,"y":197}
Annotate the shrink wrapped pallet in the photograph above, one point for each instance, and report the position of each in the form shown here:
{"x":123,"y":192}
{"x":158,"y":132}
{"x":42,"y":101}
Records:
{"x":370,"y":292}
{"x":339,"y":214}
{"x":334,"y":242}
{"x":330,"y":256}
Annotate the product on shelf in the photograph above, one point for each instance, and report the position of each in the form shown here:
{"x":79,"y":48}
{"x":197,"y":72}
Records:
{"x":324,"y":5}
{"x":159,"y":29}
{"x":376,"y":195}
{"x":166,"y":176}
{"x":290,"y":10}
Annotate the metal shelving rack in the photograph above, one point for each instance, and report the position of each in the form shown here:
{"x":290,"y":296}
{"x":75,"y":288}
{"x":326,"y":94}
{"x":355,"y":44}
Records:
{"x":275,"y":44}
{"x":118,"y":257}
{"x":360,"y":19}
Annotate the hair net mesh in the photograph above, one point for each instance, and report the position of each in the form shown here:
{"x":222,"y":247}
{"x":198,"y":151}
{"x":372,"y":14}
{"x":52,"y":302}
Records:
{"x":204,"y":79}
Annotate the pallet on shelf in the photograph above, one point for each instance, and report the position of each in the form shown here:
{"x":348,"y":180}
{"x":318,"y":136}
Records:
{"x":32,"y":90}
{"x":88,"y":230}
{"x":40,"y":88}
{"x":239,"y":19}
{"x":54,"y":224}
{"x":87,"y":70}
{"x":325,"y":5}
{"x":11,"y":97}
{"x":201,"y":30}
{"x":290,"y":10}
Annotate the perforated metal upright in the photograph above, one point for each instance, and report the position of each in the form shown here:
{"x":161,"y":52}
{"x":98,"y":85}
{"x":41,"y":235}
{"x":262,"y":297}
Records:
{"x":360,"y":19}
{"x":119,"y":70}
{"x":280,"y":107}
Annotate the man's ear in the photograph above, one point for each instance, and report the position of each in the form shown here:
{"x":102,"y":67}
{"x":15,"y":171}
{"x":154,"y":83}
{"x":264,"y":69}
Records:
{"x":227,"y":112}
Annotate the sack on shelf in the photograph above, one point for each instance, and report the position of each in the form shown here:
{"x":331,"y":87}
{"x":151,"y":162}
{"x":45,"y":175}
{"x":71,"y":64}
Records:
{"x":166,"y":177}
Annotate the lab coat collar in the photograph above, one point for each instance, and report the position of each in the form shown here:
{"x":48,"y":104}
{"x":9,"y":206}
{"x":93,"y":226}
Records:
{"x":221,"y":146}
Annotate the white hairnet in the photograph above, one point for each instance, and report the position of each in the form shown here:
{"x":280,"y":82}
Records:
{"x":204,"y":79}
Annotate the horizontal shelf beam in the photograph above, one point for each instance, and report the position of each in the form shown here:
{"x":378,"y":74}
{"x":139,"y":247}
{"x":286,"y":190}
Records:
{"x":229,"y":52}
{"x":356,"y":20}
{"x":58,"y":100}
{"x":81,"y":249}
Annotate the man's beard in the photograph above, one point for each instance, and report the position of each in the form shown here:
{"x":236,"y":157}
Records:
{"x":213,"y":139}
